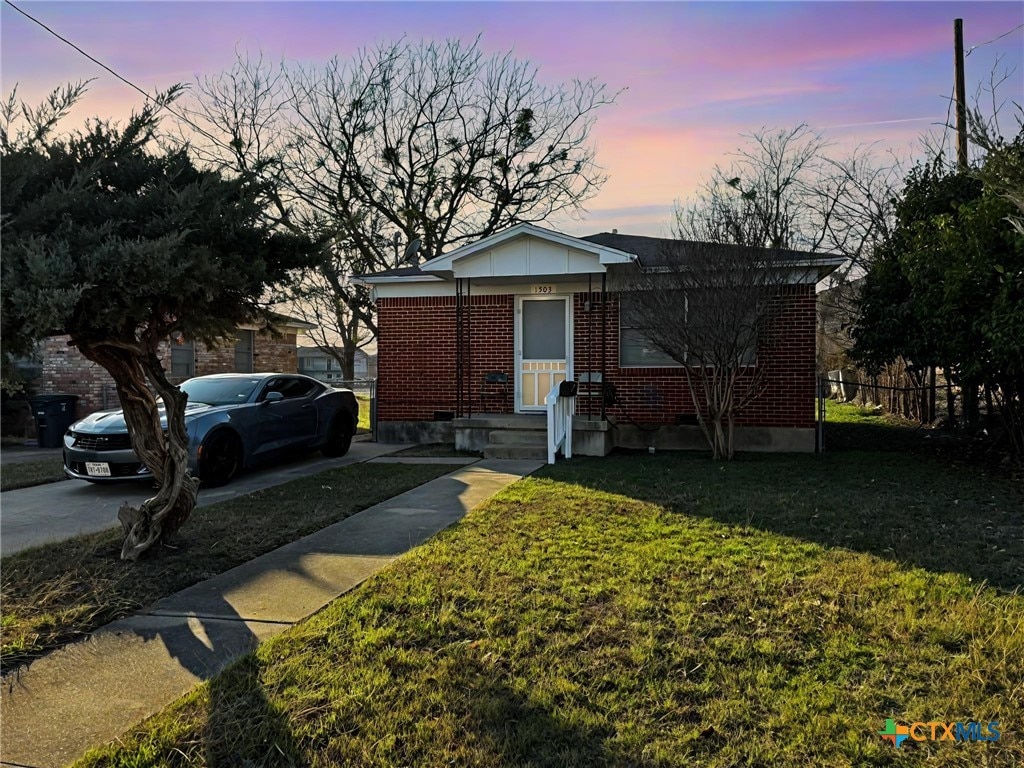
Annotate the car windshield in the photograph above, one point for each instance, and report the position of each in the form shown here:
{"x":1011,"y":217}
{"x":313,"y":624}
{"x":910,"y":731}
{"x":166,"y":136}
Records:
{"x":219,"y":391}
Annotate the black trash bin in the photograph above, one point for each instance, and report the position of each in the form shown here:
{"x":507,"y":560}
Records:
{"x":53,"y":414}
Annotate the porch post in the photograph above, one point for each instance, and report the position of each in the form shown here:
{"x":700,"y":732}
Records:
{"x":590,"y":343}
{"x":458,"y":347}
{"x":469,"y":345}
{"x":604,"y":339}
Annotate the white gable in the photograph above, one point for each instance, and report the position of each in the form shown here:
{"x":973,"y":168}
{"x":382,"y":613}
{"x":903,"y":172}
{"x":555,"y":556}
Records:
{"x":527,"y":256}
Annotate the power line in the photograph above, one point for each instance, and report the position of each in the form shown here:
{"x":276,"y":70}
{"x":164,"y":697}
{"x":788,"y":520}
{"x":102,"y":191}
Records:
{"x":126,"y":81}
{"x":994,"y":39}
{"x":90,"y":58}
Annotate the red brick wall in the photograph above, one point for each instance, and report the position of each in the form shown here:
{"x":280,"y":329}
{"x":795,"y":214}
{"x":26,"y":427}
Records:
{"x":66,"y":371}
{"x":208,"y":361}
{"x":269,"y":355}
{"x":659,"y":395}
{"x":416,"y":361}
{"x":416,"y":355}
{"x":272,"y":355}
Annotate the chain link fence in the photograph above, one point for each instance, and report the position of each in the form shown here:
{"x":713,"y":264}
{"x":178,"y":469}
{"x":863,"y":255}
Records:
{"x":365,"y":391}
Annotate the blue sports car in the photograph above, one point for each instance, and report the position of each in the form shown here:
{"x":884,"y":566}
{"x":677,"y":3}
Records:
{"x":234,"y":421}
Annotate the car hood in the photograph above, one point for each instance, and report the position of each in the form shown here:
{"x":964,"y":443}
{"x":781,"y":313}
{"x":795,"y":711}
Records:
{"x":104,"y":422}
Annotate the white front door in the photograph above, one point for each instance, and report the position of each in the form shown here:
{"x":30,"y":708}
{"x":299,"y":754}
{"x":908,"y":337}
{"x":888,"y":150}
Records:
{"x":543,"y":348}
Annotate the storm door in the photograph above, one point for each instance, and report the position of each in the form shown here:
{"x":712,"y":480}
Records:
{"x":543,"y":348}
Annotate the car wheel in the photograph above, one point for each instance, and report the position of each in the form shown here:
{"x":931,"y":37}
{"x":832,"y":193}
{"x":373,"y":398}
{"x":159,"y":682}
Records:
{"x":339,"y":436}
{"x":221,"y":459}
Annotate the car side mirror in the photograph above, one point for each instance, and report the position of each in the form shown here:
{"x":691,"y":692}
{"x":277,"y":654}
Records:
{"x":272,"y":397}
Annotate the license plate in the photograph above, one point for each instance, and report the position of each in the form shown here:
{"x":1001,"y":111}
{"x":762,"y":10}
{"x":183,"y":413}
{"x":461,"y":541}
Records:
{"x":97,"y":469}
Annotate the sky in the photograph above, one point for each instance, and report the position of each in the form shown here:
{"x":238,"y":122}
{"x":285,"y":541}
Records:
{"x":697,"y":75}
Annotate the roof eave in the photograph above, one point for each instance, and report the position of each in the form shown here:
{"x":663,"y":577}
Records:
{"x":825,"y":265}
{"x":614,"y":256}
{"x":384,"y":279}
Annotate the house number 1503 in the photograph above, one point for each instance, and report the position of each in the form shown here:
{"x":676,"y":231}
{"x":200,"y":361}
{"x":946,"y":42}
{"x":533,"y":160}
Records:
{"x":543,"y":289}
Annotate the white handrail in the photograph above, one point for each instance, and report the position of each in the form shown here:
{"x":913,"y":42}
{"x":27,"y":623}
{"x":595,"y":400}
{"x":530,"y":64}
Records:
{"x":560,"y":413}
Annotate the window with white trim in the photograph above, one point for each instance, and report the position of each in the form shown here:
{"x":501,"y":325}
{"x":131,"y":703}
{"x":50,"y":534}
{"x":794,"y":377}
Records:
{"x":635,"y":349}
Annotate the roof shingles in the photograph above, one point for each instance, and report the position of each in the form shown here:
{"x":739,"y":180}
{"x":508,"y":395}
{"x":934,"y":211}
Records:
{"x":651,"y":251}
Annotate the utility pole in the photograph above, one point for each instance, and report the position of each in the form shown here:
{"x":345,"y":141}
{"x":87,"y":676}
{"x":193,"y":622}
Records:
{"x":961,"y":97}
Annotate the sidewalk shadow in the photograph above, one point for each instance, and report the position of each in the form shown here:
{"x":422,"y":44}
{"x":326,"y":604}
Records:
{"x":399,"y":525}
{"x":203,"y":645}
{"x":504,"y":727}
{"x":242,"y":727}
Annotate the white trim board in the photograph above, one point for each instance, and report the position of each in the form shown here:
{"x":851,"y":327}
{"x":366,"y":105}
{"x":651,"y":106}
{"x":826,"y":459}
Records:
{"x":414,"y":290}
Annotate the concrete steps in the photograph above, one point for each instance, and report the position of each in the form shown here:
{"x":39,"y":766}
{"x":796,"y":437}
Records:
{"x":488,"y":433}
{"x":516,"y":444}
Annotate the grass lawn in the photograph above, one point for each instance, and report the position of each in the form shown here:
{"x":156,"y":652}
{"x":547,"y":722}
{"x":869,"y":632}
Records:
{"x":53,"y":594}
{"x":25,"y":474}
{"x":652,"y":611}
{"x":851,"y":413}
{"x":364,"y":414}
{"x":850,"y":426}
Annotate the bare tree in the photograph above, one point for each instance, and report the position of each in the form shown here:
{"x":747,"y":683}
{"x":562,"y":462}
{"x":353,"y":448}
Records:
{"x":986,"y":135}
{"x":322,"y":299}
{"x":762,"y":197}
{"x":715,"y":309}
{"x":434,"y":142}
{"x":786,"y":188}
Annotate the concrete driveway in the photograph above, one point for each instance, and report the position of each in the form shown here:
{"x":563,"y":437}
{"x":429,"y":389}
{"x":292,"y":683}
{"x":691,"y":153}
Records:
{"x":58,"y":511}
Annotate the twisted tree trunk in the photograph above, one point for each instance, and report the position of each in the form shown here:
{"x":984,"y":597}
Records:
{"x":166,"y":456}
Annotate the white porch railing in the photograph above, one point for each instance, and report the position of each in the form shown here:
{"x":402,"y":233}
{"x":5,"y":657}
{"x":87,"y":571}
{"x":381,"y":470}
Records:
{"x":560,"y":413}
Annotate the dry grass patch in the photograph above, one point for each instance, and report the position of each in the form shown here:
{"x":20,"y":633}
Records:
{"x":55,"y":593}
{"x":25,"y":474}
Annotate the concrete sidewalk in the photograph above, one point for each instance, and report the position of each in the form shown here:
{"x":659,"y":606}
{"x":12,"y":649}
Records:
{"x":91,"y":692}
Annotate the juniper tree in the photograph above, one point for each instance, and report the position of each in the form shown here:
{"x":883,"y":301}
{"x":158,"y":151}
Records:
{"x":120,"y":243}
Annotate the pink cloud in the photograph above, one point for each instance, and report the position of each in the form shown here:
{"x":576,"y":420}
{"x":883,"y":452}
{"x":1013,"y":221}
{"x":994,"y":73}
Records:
{"x":698,"y":74}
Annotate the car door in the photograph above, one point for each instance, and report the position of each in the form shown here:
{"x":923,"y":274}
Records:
{"x":289,"y":422}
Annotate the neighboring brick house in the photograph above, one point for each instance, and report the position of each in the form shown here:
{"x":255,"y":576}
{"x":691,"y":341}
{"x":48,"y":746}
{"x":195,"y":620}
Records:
{"x":65,"y":370}
{"x":536,"y":307}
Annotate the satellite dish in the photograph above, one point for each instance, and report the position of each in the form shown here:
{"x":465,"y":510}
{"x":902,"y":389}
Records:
{"x":411,"y":250}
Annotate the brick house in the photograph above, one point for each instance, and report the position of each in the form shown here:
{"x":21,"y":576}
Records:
{"x":472,"y":342}
{"x":65,"y":370}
